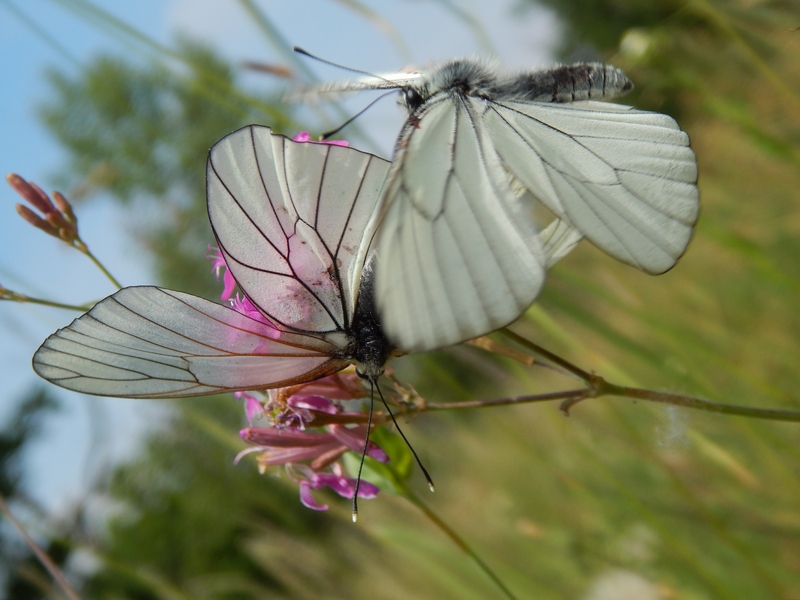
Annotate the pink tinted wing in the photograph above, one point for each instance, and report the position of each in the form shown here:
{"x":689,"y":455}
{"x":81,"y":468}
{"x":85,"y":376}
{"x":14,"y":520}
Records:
{"x":291,"y":219}
{"x":148,"y":342}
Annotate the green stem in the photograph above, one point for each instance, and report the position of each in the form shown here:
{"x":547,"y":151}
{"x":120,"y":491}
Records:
{"x":60,"y":49}
{"x":603,"y":388}
{"x":598,"y":387}
{"x":458,"y":541}
{"x":564,"y":395}
{"x":554,"y":358}
{"x":299,"y":64}
{"x":14,"y":297}
{"x":100,"y":266}
{"x":218,"y":91}
{"x":698,"y":404}
{"x":279,"y":43}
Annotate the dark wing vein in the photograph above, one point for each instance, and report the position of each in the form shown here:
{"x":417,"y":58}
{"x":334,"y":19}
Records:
{"x":577,"y":141}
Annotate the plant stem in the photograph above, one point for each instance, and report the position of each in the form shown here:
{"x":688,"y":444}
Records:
{"x":15,"y":297}
{"x":563,"y":395}
{"x":698,"y":404}
{"x":100,"y":266}
{"x":572,"y":397}
{"x":554,"y":358}
{"x":458,"y":541}
{"x":47,"y":563}
{"x":597,"y":387}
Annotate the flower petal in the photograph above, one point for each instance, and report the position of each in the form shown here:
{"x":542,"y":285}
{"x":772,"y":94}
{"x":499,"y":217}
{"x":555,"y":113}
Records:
{"x":307,"y":499}
{"x":344,"y":486}
{"x":271,"y":457}
{"x":354,"y":439}
{"x":312,"y":402}
{"x":285,"y":438}
{"x":252,"y":405}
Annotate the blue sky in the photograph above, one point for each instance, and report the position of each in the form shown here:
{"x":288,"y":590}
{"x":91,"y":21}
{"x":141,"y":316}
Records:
{"x":39,"y":34}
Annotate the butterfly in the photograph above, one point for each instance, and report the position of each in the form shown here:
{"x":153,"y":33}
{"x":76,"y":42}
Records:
{"x":480,"y":151}
{"x":292,"y":223}
{"x":295,"y":224}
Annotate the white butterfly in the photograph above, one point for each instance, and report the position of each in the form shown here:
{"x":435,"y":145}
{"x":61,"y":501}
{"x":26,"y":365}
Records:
{"x":458,"y":251}
{"x":292,"y":221}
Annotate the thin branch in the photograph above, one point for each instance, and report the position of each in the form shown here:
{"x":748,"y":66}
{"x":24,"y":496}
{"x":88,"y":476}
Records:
{"x":458,"y":541}
{"x":572,"y":397}
{"x":598,"y":387}
{"x":554,"y":358}
{"x":564,"y":395}
{"x":771,"y":414}
{"x":48,"y":564}
{"x":100,"y":266}
{"x":16,"y":297}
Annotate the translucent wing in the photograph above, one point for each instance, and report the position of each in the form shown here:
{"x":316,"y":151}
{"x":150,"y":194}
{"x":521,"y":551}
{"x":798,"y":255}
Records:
{"x":558,"y":239}
{"x":291,"y":219}
{"x":456,"y":255}
{"x":147,"y":342}
{"x":624,"y":178}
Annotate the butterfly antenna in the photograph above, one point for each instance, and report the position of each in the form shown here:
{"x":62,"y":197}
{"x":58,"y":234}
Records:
{"x":333,"y":132}
{"x":405,"y":439}
{"x":299,"y":50}
{"x":366,"y":446}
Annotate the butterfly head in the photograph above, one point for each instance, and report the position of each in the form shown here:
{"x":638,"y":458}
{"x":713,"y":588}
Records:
{"x":412,"y":98}
{"x":462,"y":77}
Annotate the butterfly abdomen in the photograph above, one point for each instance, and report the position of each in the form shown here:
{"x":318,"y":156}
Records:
{"x":483,"y":79}
{"x":567,"y":83}
{"x":370,"y":349}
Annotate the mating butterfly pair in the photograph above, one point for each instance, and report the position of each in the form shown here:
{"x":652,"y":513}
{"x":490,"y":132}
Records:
{"x":351,"y":259}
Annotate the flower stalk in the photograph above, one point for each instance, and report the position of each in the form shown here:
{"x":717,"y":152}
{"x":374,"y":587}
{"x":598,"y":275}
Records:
{"x":11,"y":295}
{"x":458,"y":541}
{"x":597,"y":386}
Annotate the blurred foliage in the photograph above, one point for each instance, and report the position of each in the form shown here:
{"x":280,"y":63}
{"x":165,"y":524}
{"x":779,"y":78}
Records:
{"x":593,"y":28}
{"x":688,"y":505}
{"x":141,"y":133}
{"x":189,"y":523}
{"x":22,"y":427}
{"x":21,"y":575}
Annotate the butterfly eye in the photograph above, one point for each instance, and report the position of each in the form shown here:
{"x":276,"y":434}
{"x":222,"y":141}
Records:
{"x":413,"y":98}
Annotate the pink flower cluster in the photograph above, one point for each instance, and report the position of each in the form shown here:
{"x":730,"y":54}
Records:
{"x":308,"y":432}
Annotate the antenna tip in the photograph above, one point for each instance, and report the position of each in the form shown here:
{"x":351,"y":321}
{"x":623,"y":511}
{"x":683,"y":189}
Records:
{"x":430,"y":486}
{"x":355,"y":516}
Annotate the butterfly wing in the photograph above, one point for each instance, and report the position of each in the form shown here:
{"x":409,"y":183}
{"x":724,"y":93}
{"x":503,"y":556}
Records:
{"x":147,"y":342}
{"x":625,"y":178}
{"x":558,"y":239}
{"x":456,"y":256}
{"x":291,"y":220}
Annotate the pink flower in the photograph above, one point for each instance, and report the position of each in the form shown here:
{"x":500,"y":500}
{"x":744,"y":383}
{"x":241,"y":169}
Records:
{"x":304,"y":136}
{"x":218,"y":266}
{"x":310,"y":457}
{"x":239,"y":303}
{"x":252,"y":405}
{"x":342,"y":485}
